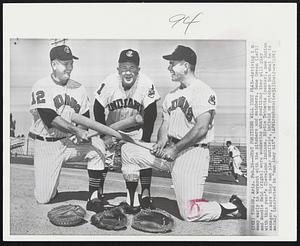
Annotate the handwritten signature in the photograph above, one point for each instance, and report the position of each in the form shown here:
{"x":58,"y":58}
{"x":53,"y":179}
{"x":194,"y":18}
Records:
{"x":184,"y":19}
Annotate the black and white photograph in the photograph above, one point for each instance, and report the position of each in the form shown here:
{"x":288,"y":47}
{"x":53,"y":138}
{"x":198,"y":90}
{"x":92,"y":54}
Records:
{"x":127,"y":136}
{"x":116,"y":80}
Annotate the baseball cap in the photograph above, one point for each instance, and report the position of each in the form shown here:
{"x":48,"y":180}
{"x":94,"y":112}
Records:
{"x":130,"y":55}
{"x":183,"y":53}
{"x":62,"y":52}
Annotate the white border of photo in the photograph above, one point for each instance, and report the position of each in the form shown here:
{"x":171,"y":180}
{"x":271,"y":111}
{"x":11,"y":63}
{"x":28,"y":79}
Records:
{"x":240,"y":21}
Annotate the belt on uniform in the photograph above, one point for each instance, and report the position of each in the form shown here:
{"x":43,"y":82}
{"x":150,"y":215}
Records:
{"x":48,"y":139}
{"x":176,"y":140}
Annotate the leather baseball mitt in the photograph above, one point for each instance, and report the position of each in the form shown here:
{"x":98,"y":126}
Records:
{"x":112,"y":219}
{"x":155,"y":221}
{"x":67,"y":215}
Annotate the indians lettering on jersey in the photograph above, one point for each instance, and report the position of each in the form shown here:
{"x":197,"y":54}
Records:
{"x":122,"y":104}
{"x":70,"y":101}
{"x":182,"y":106}
{"x":59,"y":100}
{"x":125,"y":103}
{"x":65,"y":100}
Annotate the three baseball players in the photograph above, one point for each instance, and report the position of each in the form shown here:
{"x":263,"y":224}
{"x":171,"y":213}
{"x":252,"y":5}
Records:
{"x":182,"y":142}
{"x":121,"y":95}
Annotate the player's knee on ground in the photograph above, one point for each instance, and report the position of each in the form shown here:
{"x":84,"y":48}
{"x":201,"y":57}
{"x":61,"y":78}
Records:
{"x":199,"y":210}
{"x":44,"y":196}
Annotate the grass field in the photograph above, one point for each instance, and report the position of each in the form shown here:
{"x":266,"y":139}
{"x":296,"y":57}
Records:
{"x":27,"y":217}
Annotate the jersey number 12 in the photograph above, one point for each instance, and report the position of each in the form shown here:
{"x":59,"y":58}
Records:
{"x":38,"y":97}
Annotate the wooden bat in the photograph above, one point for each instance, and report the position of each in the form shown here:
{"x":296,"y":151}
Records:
{"x":100,"y":128}
{"x":127,"y":138}
{"x":124,"y":124}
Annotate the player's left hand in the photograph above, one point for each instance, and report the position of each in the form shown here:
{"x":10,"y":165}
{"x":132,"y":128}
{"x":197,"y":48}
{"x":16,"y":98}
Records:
{"x":170,"y":153}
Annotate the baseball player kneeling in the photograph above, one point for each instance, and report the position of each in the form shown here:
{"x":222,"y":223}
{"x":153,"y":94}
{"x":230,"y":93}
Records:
{"x":182,"y":142}
{"x":54,"y":100}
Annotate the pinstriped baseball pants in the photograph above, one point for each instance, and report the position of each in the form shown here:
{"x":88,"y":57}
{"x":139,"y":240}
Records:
{"x":48,"y":160}
{"x":189,"y":171}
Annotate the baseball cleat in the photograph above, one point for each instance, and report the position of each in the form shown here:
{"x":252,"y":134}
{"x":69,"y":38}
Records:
{"x":128,"y":209}
{"x":146,"y":203}
{"x":240,"y":206}
{"x":97,"y":205}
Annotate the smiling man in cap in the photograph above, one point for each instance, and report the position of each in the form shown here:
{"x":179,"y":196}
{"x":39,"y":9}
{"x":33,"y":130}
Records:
{"x":124,"y":94}
{"x":53,"y":101}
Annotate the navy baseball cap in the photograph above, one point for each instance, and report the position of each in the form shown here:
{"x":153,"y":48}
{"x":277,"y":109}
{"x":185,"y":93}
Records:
{"x":130,"y":55}
{"x":62,"y":52}
{"x":183,"y":53}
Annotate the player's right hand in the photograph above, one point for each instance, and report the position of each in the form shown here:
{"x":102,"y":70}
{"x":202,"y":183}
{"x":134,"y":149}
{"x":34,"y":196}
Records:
{"x":157,"y":150}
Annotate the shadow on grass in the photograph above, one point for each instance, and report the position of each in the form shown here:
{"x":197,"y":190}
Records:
{"x":82,"y":196}
{"x":70,"y":195}
{"x":159,"y":202}
{"x":168,"y":205}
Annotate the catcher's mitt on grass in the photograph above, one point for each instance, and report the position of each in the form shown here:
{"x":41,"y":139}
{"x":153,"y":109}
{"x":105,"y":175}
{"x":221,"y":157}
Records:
{"x":112,"y":219}
{"x":67,"y":215}
{"x":155,"y":221}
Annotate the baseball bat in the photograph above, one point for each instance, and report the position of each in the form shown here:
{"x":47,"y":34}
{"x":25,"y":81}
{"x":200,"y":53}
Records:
{"x":135,"y":120}
{"x":127,"y":138}
{"x":100,"y":128}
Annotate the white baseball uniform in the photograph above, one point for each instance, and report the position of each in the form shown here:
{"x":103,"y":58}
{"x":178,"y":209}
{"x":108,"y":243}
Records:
{"x":189,"y":171}
{"x":236,"y":159}
{"x":49,"y":155}
{"x":122,"y":104}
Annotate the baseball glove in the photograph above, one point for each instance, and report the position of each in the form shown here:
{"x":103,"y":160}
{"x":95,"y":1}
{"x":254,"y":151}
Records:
{"x":155,"y":221}
{"x":67,"y":215}
{"x":112,"y":219}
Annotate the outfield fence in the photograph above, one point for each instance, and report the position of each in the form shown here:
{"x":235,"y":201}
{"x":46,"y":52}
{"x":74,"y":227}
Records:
{"x":219,"y":160}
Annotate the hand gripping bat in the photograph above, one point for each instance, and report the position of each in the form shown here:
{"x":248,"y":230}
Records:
{"x":132,"y":121}
{"x":111,"y":130}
